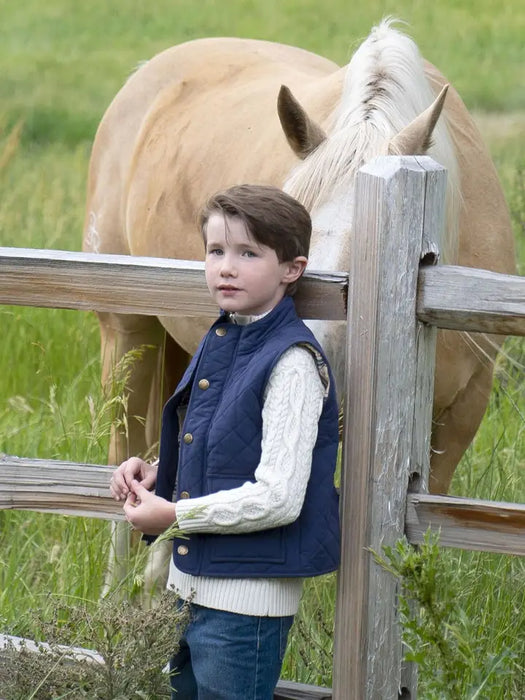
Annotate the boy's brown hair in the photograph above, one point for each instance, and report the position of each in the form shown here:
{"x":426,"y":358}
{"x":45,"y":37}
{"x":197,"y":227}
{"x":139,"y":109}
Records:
{"x":271,"y":217}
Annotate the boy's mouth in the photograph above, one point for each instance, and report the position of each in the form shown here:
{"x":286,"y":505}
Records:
{"x":228,"y":288}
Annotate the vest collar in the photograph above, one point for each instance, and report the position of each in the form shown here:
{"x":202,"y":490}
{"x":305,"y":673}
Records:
{"x":281,"y":314}
{"x":241,"y":320}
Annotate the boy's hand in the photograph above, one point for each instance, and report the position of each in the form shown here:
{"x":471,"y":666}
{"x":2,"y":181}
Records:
{"x":134,"y":468}
{"x":148,"y":513}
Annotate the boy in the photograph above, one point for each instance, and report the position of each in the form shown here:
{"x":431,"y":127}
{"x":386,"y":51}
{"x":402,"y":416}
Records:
{"x":247,"y":457}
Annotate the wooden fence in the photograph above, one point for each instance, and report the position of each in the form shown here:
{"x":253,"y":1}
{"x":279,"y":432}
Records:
{"x":395,"y":305}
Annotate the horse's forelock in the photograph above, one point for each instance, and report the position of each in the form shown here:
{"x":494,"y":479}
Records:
{"x":385,"y":89}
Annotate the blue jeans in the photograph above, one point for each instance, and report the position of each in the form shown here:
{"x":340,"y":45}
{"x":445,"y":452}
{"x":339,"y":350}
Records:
{"x":227,"y":656}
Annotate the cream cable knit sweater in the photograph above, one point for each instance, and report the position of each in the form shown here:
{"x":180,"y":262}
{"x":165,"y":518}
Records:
{"x":292,"y":407}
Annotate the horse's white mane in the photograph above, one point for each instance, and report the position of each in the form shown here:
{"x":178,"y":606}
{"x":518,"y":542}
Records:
{"x":385,"y":88}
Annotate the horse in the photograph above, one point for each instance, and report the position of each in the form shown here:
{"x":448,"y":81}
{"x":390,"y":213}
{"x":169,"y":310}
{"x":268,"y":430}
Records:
{"x":215,"y":112}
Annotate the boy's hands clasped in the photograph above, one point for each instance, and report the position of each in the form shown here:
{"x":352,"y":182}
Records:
{"x":133,"y":469}
{"x":145,"y":511}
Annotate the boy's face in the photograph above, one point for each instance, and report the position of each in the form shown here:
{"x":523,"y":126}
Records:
{"x":242,"y":275}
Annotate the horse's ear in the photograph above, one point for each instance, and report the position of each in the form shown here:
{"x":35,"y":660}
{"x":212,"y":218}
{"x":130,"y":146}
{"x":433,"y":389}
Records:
{"x":303,"y":134}
{"x":416,"y":138}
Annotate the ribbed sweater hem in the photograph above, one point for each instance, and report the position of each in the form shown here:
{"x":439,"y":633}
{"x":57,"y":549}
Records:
{"x":265,"y":597}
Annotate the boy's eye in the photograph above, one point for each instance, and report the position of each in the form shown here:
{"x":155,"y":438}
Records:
{"x":250,"y":254}
{"x":215,"y":251}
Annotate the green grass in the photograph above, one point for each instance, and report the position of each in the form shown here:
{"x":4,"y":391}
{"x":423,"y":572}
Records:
{"x":61,"y":63}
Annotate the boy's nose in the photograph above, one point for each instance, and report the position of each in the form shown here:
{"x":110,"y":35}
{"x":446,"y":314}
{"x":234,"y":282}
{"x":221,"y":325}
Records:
{"x":228,"y":267}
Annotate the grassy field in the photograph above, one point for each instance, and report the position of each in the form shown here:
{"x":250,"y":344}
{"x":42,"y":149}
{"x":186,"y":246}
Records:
{"x":60,"y":65}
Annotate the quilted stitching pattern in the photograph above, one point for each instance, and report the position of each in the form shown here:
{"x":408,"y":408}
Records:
{"x":225,"y":425}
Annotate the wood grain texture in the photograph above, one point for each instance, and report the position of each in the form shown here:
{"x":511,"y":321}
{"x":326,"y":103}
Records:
{"x":52,"y":486}
{"x":289,"y":690}
{"x":426,"y":336}
{"x":448,"y":296}
{"x":9,"y":642}
{"x":463,"y":298}
{"x":83,"y":489}
{"x":465,"y":523}
{"x":127,"y":284}
{"x":388,"y":243}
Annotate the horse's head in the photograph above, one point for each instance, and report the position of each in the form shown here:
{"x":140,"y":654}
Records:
{"x":386,"y":107}
{"x":306,"y":137}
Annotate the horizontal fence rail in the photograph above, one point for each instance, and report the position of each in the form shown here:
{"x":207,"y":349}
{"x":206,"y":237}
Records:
{"x":10,"y":642}
{"x":467,"y":523}
{"x":448,"y":296}
{"x":137,"y":285}
{"x":67,"y":488}
{"x":468,"y":299}
{"x":53,"y":486}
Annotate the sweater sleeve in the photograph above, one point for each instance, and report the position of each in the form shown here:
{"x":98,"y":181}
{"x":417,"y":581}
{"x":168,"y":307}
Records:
{"x":291,"y":411}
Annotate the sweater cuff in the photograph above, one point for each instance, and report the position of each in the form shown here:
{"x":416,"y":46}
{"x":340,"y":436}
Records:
{"x":191,"y":517}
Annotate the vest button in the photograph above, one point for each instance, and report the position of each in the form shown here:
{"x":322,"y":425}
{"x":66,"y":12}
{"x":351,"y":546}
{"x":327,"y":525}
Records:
{"x":184,"y":494}
{"x":188,"y":438}
{"x":204,"y":384}
{"x":220,"y":331}
{"x":182,"y":550}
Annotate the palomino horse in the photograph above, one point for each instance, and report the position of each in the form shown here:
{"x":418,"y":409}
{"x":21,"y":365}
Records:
{"x":215,"y":112}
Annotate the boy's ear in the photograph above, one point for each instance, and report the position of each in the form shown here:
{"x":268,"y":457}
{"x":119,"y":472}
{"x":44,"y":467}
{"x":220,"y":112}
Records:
{"x":294,"y":269}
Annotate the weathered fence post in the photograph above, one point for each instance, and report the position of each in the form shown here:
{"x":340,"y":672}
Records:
{"x":398,"y":209}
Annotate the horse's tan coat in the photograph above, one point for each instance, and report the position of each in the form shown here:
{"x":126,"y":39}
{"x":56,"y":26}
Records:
{"x":202,"y":116}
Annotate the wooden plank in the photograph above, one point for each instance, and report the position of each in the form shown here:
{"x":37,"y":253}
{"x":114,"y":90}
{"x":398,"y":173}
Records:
{"x":127,"y":284}
{"x":465,"y":523}
{"x":69,"y":488}
{"x":59,"y":487}
{"x":463,"y":298}
{"x":8,"y":641}
{"x":448,"y":296}
{"x":426,"y":336}
{"x":380,"y":394}
{"x":290,"y":690}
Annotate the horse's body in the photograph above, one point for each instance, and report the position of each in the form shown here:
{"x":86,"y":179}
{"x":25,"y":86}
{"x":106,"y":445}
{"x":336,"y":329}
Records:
{"x":203,"y":115}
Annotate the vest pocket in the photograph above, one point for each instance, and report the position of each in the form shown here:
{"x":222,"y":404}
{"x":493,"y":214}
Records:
{"x":263,"y":546}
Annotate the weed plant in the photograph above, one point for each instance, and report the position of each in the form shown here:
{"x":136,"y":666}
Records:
{"x":133,"y":645}
{"x":458,"y":660}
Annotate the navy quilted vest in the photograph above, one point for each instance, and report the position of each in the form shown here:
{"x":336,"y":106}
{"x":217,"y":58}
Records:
{"x":220,"y":448}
